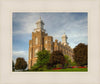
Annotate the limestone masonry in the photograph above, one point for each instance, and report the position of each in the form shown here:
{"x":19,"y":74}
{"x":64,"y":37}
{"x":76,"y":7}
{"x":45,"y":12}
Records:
{"x":41,"y":40}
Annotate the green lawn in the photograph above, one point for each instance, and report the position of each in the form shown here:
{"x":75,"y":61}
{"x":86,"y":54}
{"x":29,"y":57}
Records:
{"x":70,"y":70}
{"x":65,"y":70}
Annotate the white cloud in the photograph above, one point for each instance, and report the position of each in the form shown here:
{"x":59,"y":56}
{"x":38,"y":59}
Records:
{"x":77,"y":35}
{"x":23,"y":54}
{"x":27,"y":29}
{"x":75,"y":28}
{"x":27,"y":23}
{"x":19,"y":53}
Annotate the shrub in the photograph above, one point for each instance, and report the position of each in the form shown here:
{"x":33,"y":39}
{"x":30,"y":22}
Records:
{"x":68,"y":61}
{"x":58,"y":65}
{"x":43,"y":68}
{"x":34,"y":68}
{"x":73,"y":64}
{"x":38,"y":68}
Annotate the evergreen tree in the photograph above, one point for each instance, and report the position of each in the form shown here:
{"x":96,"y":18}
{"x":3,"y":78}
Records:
{"x":43,"y":57}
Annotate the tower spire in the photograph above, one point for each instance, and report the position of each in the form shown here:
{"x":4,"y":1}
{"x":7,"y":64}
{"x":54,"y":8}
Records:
{"x":64,"y":39}
{"x":40,"y":25}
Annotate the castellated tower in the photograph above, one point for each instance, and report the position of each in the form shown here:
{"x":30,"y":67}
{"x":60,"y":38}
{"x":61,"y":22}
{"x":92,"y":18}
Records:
{"x":64,"y":39}
{"x":41,"y":40}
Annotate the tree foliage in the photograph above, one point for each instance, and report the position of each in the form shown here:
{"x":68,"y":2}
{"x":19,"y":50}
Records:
{"x":21,"y":64}
{"x":43,"y":57}
{"x":57,"y":58}
{"x":13,"y":66}
{"x":68,"y":60}
{"x":80,"y":54}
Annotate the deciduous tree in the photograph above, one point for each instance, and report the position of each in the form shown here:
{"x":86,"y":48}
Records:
{"x":13,"y":66}
{"x":21,"y":64}
{"x":57,"y":58}
{"x":80,"y":54}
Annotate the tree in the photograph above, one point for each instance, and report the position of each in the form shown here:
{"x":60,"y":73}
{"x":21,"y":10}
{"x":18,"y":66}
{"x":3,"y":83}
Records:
{"x":57,"y":58}
{"x":13,"y":66}
{"x":80,"y":54}
{"x":21,"y":64}
{"x":68,"y":61}
{"x":43,"y":57}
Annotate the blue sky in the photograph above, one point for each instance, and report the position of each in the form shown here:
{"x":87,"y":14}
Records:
{"x":75,"y":26}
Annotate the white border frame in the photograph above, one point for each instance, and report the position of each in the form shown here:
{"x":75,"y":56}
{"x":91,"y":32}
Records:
{"x":9,"y":77}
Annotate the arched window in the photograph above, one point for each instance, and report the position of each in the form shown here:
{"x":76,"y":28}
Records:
{"x":36,"y":40}
{"x":35,"y":55}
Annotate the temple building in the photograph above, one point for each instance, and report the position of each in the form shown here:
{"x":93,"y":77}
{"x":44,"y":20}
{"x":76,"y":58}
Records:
{"x":41,"y":40}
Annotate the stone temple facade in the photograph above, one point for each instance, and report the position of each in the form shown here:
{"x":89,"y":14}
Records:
{"x":41,"y":40}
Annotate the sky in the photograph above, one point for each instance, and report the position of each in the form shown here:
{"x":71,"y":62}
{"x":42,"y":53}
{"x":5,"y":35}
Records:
{"x":74,"y":25}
